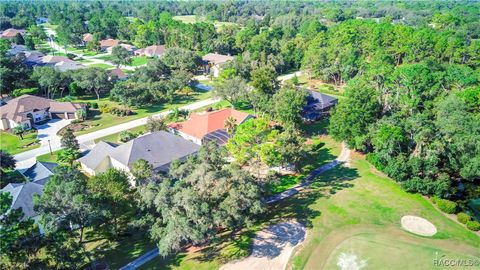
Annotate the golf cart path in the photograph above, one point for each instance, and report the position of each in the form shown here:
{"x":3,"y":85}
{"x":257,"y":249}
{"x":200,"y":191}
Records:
{"x":272,"y":247}
{"x":276,"y":233}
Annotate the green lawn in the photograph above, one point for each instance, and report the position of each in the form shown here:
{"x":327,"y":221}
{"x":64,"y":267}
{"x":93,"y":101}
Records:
{"x":102,"y":65}
{"x":106,"y":57}
{"x":196,"y":19}
{"x":104,"y":120}
{"x":114,"y":137}
{"x":83,"y":61}
{"x":14,"y":145}
{"x":356,"y":210}
{"x":49,"y":157}
{"x":139,"y":60}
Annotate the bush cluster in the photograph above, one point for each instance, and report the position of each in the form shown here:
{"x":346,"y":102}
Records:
{"x":463,"y":218}
{"x":120,"y":111}
{"x":446,"y":206}
{"x":473,"y":225}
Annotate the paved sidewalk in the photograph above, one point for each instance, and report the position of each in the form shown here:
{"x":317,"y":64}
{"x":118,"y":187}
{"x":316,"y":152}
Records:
{"x":141,"y":260}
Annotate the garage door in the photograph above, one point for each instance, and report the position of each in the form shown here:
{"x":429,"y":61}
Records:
{"x":58,"y":115}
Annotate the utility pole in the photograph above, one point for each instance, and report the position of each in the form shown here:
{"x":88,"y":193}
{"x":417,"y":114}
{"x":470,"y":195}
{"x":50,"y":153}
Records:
{"x":50,"y":146}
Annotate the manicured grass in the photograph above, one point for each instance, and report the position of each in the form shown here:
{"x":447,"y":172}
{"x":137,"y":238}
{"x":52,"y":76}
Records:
{"x":83,"y":61}
{"x":195,"y":19}
{"x":326,"y":152}
{"x":104,"y":120}
{"x":49,"y":157}
{"x":114,"y":137}
{"x":357,"y":210}
{"x":101,"y":65}
{"x":14,"y":145}
{"x":106,"y":57}
{"x":139,"y":60}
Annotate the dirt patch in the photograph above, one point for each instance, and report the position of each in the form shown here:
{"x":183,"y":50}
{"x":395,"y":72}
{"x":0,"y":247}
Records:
{"x":272,"y":247}
{"x":350,"y":261}
{"x":418,"y":225}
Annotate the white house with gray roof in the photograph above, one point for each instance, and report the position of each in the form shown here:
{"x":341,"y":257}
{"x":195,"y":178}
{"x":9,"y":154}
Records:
{"x":159,"y":149}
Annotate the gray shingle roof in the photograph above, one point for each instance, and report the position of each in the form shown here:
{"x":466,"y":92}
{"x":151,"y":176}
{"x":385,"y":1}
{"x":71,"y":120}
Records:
{"x":40,"y":172}
{"x":159,"y":149}
{"x":321,"y":101}
{"x":23,"y":196}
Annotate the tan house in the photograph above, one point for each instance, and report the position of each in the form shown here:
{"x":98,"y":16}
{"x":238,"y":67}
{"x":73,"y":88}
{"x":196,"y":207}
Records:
{"x":151,"y":51}
{"x":159,"y":149}
{"x":11,"y":33}
{"x":213,"y":63}
{"x":208,"y":126}
{"x":28,"y":110}
{"x":87,"y":38}
{"x":130,"y":48}
{"x":106,"y":43}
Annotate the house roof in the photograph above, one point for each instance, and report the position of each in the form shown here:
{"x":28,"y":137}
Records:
{"x":109,"y":43}
{"x":118,"y":73}
{"x":11,"y":33}
{"x":127,"y":47}
{"x":23,"y":196}
{"x":70,"y":65}
{"x":16,"y":49}
{"x":154,"y":50}
{"x":159,"y":149}
{"x":33,"y":56}
{"x":320,"y":101}
{"x":16,"y":108}
{"x":216,"y":58}
{"x":40,"y":172}
{"x":200,"y":124}
{"x":53,"y":59}
{"x":87,"y":37}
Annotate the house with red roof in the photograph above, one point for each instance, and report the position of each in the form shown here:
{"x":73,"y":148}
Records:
{"x":208,"y":126}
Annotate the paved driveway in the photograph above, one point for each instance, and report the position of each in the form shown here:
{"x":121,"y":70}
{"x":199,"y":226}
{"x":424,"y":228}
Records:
{"x":48,"y":131}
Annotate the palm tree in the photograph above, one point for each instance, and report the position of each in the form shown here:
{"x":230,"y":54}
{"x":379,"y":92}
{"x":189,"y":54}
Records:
{"x":230,"y":125}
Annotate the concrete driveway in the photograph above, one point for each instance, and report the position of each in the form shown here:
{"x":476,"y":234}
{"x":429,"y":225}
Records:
{"x":48,"y":131}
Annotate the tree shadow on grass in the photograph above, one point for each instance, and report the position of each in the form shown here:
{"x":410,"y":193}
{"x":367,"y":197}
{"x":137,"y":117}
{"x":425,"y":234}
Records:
{"x":335,"y":179}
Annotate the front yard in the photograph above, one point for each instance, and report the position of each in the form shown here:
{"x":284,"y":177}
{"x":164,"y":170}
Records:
{"x":13,"y":144}
{"x":104,"y":120}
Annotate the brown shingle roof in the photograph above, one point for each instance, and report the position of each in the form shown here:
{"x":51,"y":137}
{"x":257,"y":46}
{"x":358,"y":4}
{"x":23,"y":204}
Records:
{"x":11,"y":33}
{"x":16,"y":108}
{"x":109,"y":43}
{"x":216,"y":58}
{"x":87,"y":37}
{"x":154,"y":50}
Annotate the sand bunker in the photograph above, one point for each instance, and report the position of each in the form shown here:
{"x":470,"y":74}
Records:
{"x":418,"y":225}
{"x":271,"y":248}
{"x":350,"y":261}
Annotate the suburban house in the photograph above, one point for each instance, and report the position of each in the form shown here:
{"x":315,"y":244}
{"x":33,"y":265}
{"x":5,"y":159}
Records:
{"x":40,"y":172}
{"x":208,"y":126}
{"x":16,"y":49}
{"x":87,"y":38}
{"x":11,"y":33}
{"x":318,"y":105}
{"x":213,"y":63}
{"x":33,"y":58}
{"x":130,"y":48}
{"x":158,"y":148}
{"x":41,"y":20}
{"x":22,"y":193}
{"x":60,"y":63}
{"x":27,"y":110}
{"x":106,"y":43}
{"x":117,"y":74}
{"x":151,"y":51}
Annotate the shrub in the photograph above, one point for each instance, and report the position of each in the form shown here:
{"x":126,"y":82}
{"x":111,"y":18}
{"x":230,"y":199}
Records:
{"x":120,"y":111}
{"x":126,"y":136}
{"x":463,"y":218}
{"x":104,"y":108}
{"x":71,"y":56}
{"x":95,"y":105}
{"x":76,"y":121}
{"x":473,"y":225}
{"x":446,"y":206}
{"x":24,"y":91}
